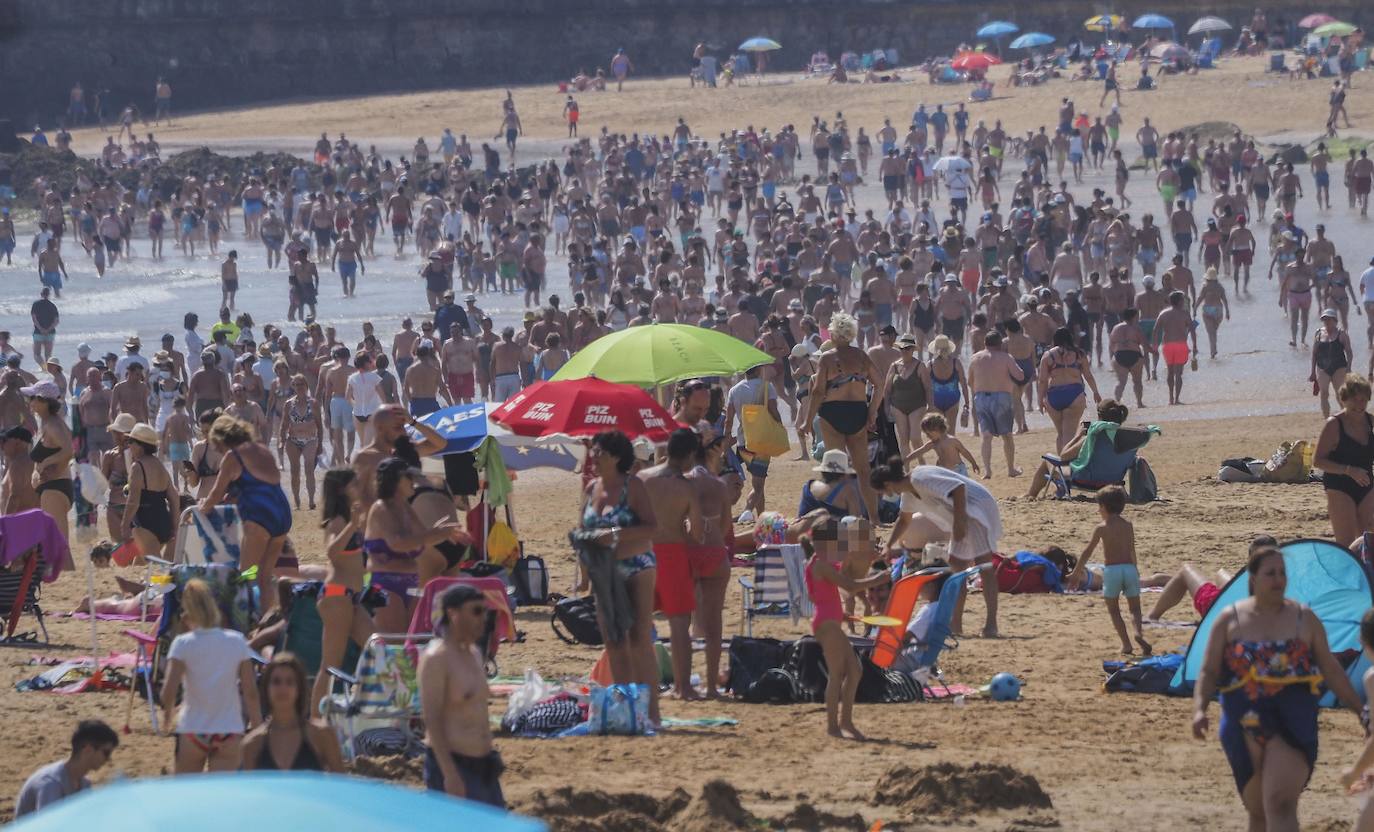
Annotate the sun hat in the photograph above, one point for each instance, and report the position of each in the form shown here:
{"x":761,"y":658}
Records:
{"x":145,"y":433}
{"x":942,"y":345}
{"x":906,"y":342}
{"x":42,"y":390}
{"x":1330,"y":313}
{"x":122,"y":424}
{"x":834,"y":461}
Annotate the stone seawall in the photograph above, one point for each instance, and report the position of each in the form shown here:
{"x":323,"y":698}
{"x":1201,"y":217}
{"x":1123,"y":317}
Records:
{"x":217,"y":53}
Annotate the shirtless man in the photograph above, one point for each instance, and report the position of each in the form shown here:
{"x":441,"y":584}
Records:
{"x":347,"y":260}
{"x":458,"y":359}
{"x":1362,"y":175}
{"x":460,"y":759}
{"x":1126,"y":345}
{"x":333,"y":390}
{"x":16,"y":487}
{"x":1179,"y":276}
{"x":51,"y":270}
{"x":680,"y":530}
{"x":714,"y":499}
{"x":131,"y":395}
{"x":1150,"y":302}
{"x":422,"y":382}
{"x":993,"y":376}
{"x":209,"y":386}
{"x":506,"y":357}
{"x":94,"y":407}
{"x":1172,"y":332}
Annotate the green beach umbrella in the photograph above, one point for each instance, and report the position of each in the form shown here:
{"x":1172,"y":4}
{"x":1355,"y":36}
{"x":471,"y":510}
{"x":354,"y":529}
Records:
{"x":1337,"y":27}
{"x":661,"y":354}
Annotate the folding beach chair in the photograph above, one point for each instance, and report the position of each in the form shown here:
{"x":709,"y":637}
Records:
{"x":500,"y":618}
{"x":19,"y":590}
{"x":901,"y":602}
{"x":303,"y":634}
{"x":383,"y":693}
{"x":939,"y":637}
{"x":770,"y":590}
{"x":1111,"y":451}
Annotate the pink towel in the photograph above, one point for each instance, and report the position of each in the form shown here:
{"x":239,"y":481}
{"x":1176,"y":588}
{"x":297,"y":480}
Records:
{"x":21,"y":532}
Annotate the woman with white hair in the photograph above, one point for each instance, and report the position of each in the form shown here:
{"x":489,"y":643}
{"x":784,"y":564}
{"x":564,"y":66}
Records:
{"x":839,"y":396}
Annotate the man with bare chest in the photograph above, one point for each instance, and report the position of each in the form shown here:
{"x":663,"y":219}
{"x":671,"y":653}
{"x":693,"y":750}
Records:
{"x":421,"y":384}
{"x":460,"y":759}
{"x":680,"y":530}
{"x":131,"y":395}
{"x":710,"y":559}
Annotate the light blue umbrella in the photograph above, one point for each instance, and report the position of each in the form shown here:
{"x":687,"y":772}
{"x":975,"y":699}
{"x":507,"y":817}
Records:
{"x":1152,"y":21}
{"x":264,"y":801}
{"x":1031,"y":40}
{"x":760,"y":45}
{"x":997,"y":29}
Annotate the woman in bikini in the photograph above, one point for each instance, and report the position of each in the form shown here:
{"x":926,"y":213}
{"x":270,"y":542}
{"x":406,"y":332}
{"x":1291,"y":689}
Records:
{"x":1331,"y":357}
{"x":1211,"y":299}
{"x":907,"y":393}
{"x":1345,"y":454}
{"x":299,"y":434}
{"x":52,"y":452}
{"x":288,"y":740}
{"x":216,"y":666}
{"x":617,"y":504}
{"x":150,"y":515}
{"x":393,"y":539}
{"x":839,"y":396}
{"x":1065,"y":370}
{"x":1268,"y":657}
{"x":1295,"y":295}
{"x":343,"y":603}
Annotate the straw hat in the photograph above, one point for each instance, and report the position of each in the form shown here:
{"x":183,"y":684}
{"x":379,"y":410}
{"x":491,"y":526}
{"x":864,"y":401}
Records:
{"x":122,"y":424}
{"x":942,"y":346}
{"x":834,"y":462}
{"x":906,"y":342}
{"x":145,"y":433}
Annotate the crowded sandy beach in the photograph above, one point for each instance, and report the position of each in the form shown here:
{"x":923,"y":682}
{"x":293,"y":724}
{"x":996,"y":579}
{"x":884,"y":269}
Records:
{"x":734,"y":450}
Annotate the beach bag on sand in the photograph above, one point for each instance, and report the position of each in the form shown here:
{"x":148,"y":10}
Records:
{"x":749,"y":660}
{"x":806,"y":662}
{"x":619,"y":709}
{"x":574,"y":621}
{"x":1288,"y":464}
{"x":1240,"y":470}
{"x":1141,"y":486}
{"x":530,"y":577}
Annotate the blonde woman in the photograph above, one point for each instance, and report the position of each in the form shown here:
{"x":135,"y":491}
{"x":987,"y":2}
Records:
{"x":250,"y":470}
{"x":212,"y":668}
{"x":839,"y":396}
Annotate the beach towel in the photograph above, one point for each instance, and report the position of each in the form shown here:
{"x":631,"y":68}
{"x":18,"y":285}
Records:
{"x":21,"y":532}
{"x":697,"y":722}
{"x":1150,"y":675}
{"x":794,"y":564}
{"x":219,"y":533}
{"x":387,"y":678}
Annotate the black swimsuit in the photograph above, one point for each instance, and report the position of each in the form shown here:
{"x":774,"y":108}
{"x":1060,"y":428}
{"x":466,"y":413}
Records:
{"x":305,"y":760}
{"x":63,"y":485}
{"x":153,"y":515}
{"x":1330,"y":356}
{"x":1353,"y":454}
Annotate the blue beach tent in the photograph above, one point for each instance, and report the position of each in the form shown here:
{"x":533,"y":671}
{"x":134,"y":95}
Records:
{"x":1327,"y":578}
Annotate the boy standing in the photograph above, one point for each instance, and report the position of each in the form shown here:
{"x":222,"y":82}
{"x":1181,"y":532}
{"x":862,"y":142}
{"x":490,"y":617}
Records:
{"x":1120,"y":577}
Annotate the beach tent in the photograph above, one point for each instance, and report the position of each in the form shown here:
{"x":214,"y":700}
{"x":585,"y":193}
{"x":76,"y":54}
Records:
{"x":1327,"y":578}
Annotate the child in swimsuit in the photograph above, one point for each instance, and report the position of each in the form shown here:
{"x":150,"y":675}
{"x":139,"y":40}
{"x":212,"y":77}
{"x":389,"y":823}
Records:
{"x":831,"y":545}
{"x":949,"y":452}
{"x":1120,"y":575}
{"x":1358,"y":777}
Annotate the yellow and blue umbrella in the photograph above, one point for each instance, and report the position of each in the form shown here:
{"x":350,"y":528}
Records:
{"x":1104,"y":23}
{"x":268,"y":801}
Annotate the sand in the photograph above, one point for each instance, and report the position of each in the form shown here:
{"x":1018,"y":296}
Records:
{"x":1100,"y":759}
{"x":1239,"y":91}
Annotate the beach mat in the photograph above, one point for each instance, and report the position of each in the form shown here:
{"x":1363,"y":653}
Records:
{"x":154,"y":613}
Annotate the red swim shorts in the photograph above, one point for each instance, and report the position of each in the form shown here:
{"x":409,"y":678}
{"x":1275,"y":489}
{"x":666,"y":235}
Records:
{"x":674,"y":589}
{"x":1175,"y":353}
{"x":461,"y":385}
{"x":706,"y":561}
{"x":1205,"y":597}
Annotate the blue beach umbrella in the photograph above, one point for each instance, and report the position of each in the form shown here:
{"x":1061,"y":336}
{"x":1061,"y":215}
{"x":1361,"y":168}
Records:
{"x":1152,"y":21}
{"x":467,"y":426}
{"x":1032,"y":40}
{"x":997,"y":29}
{"x":760,"y":44}
{"x":268,"y":801}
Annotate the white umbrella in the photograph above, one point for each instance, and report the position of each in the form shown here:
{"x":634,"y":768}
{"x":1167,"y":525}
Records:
{"x":1209,"y":24}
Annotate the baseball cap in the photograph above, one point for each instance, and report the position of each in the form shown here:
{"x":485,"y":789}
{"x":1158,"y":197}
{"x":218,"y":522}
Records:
{"x":1148,"y":280}
{"x":644,"y":449}
{"x":470,"y":297}
{"x":1330,"y":313}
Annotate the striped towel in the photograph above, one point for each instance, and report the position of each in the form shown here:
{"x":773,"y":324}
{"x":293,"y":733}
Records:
{"x":386,"y":678}
{"x":218,"y":535}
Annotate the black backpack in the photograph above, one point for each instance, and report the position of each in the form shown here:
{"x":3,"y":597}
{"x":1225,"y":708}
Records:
{"x":775,"y":687}
{"x":750,"y":659}
{"x":576,"y":616}
{"x":531,"y":580}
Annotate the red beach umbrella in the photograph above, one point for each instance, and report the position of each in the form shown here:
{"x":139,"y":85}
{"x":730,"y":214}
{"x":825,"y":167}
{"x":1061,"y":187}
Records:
{"x":584,"y":407}
{"x":967,"y":61}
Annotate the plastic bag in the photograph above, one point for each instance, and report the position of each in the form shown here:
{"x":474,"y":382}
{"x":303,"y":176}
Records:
{"x":620,"y":709}
{"x":503,"y":547}
{"x":531,"y":692}
{"x":95,"y":489}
